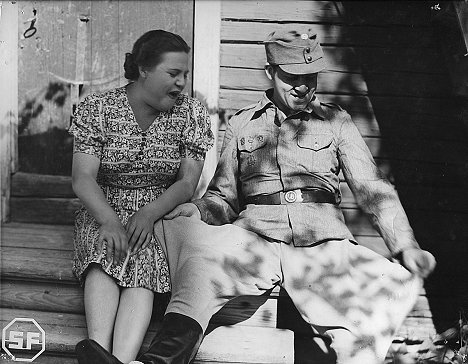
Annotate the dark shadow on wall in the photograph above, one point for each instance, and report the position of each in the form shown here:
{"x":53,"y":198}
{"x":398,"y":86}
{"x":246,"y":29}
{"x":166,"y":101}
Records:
{"x":46,"y":153}
{"x":50,"y":151}
{"x":424,"y":132}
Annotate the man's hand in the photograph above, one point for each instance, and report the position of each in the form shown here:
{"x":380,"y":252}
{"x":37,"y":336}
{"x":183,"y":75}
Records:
{"x":185,"y":209}
{"x":418,"y":261}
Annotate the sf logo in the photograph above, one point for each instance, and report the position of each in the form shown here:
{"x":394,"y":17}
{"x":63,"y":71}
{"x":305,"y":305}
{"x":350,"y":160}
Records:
{"x":23,"y":339}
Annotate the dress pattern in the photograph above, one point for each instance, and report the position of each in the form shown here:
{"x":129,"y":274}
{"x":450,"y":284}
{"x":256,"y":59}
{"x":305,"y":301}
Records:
{"x":136,"y":167}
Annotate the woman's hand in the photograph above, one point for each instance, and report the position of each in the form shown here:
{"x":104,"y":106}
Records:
{"x":186,"y":209}
{"x":418,"y":261}
{"x":113,"y":234}
{"x":111,"y":231}
{"x":140,"y":229}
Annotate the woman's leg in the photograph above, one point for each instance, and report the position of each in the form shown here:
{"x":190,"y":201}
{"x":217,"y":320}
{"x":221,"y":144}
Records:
{"x":131,"y":323}
{"x":101,"y":299}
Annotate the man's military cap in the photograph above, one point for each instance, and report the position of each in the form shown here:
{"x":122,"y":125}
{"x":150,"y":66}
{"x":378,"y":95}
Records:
{"x":295,"y":51}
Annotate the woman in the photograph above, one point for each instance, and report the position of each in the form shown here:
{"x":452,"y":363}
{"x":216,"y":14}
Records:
{"x":138,"y":153}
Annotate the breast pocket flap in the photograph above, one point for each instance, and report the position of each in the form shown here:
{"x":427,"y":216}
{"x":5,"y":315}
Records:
{"x":249,"y":143}
{"x":314,"y":142}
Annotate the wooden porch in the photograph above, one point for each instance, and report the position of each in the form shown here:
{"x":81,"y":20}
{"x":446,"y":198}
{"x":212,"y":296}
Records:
{"x":388,"y":68}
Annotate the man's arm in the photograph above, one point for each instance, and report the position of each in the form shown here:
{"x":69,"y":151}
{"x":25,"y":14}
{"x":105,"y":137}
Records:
{"x":220,"y":204}
{"x":379,"y":200}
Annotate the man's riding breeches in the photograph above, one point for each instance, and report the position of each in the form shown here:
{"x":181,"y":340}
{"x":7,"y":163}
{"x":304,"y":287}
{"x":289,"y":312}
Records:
{"x":345,"y":291}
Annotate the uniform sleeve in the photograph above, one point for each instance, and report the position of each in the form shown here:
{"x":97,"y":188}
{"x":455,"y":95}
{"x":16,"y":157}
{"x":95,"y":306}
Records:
{"x":220,"y":204}
{"x":87,"y":127}
{"x":374,"y":193}
{"x":197,"y":137}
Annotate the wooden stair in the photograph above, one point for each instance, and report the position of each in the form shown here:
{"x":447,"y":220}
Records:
{"x":37,"y":282}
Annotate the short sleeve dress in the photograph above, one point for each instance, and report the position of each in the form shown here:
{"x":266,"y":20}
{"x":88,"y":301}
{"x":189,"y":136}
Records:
{"x":136,"y":168}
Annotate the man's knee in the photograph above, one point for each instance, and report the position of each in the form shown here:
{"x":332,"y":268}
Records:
{"x":354,"y":349}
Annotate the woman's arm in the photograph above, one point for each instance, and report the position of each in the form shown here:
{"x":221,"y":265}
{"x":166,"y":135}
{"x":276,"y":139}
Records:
{"x":140,"y":225}
{"x":111,"y":231}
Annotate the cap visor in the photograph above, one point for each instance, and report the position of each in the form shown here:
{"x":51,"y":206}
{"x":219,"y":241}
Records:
{"x":304,"y":68}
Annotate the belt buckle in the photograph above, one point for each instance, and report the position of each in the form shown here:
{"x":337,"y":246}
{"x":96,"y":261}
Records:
{"x":291,"y":196}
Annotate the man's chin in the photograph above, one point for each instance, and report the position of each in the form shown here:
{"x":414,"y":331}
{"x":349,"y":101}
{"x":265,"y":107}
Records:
{"x":298,"y":106}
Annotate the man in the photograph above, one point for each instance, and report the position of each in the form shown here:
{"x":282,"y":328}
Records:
{"x":275,"y":197}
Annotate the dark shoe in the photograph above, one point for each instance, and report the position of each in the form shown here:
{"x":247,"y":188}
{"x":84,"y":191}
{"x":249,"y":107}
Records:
{"x":90,"y":352}
{"x":176,"y":343}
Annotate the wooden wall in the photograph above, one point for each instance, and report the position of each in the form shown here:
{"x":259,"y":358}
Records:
{"x":8,"y":103}
{"x":78,"y":47}
{"x":386,"y":67}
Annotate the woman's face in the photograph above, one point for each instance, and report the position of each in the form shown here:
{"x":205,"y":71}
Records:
{"x":164,"y":83}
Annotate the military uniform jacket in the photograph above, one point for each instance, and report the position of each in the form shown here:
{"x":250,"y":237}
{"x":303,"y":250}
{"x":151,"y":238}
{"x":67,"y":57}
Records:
{"x":266,"y":152}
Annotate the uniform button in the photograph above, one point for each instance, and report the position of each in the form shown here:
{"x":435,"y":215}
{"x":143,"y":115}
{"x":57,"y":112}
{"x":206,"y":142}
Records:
{"x":309,"y":58}
{"x":307,"y":50}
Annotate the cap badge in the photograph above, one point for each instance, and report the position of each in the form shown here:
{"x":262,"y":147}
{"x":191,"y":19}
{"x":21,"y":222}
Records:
{"x":304,"y":36}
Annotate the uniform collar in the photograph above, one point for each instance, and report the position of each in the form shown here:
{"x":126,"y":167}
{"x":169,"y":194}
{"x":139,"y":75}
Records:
{"x":266,"y":102}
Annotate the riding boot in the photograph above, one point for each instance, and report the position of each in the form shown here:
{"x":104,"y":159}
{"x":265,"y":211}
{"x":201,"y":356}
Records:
{"x":90,"y":352}
{"x":176,"y":343}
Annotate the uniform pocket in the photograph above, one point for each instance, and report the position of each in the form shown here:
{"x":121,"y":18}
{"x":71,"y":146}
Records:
{"x":250,"y":143}
{"x":254,"y":155}
{"x":314,"y":142}
{"x":316,"y":152}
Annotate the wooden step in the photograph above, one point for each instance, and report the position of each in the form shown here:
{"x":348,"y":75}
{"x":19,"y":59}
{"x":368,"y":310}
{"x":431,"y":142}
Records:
{"x":30,"y":235}
{"x":36,"y":275}
{"x":41,"y":185}
{"x":41,"y":296}
{"x":232,"y":344}
{"x":222,"y":344}
{"x":259,"y":311}
{"x":44,"y":210}
{"x":44,"y":358}
{"x":37,"y":264}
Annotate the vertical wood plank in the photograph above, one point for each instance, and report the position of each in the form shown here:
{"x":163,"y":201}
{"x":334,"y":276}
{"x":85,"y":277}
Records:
{"x":9,"y":97}
{"x":461,"y":8}
{"x":81,"y":48}
{"x":138,"y":17}
{"x":206,"y":63}
{"x":105,"y":62}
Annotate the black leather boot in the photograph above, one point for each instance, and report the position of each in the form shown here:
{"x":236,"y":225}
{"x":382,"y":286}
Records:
{"x":90,"y":352}
{"x":176,"y":343}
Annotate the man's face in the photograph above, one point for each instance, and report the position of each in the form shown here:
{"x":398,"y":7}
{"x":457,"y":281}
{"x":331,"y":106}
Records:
{"x":291,"y":93}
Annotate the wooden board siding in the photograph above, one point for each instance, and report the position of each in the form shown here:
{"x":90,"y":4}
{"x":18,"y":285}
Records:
{"x":386,"y":69}
{"x":9,"y":103}
{"x":79,"y":48}
{"x":206,"y":75}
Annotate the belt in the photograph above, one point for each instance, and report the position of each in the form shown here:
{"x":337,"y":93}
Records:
{"x":295,"y":196}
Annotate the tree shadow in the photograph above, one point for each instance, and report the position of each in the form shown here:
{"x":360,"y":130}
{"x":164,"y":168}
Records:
{"x":424,"y":134}
{"x":44,"y":147}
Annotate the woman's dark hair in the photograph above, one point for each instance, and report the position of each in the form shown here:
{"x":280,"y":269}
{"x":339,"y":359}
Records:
{"x":148,"y":50}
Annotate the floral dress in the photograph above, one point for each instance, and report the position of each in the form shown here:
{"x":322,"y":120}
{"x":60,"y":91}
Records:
{"x":136,"y":168}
